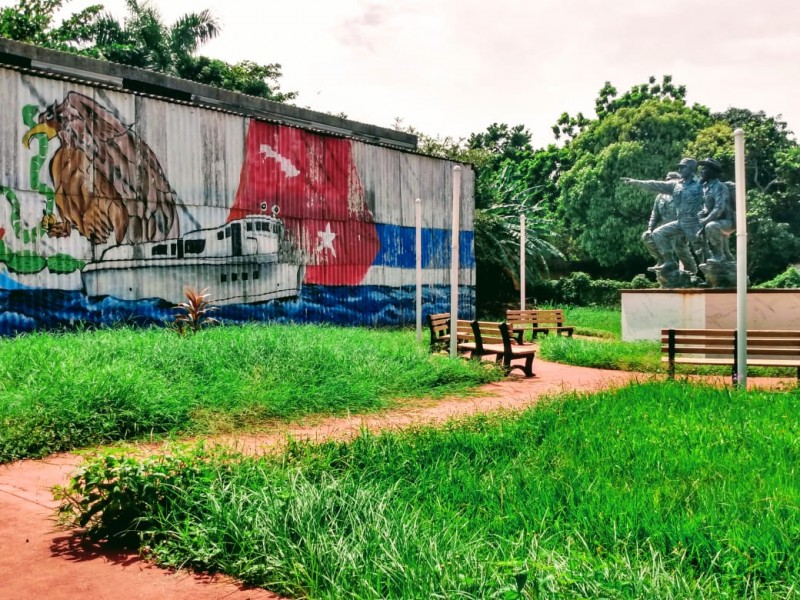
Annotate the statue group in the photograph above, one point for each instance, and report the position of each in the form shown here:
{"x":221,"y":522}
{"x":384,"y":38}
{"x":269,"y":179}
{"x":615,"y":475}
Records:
{"x":690,"y":226}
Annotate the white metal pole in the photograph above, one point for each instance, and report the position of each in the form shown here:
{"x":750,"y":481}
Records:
{"x":418,"y":251}
{"x":522,"y":262}
{"x":454,"y":259}
{"x":741,"y":260}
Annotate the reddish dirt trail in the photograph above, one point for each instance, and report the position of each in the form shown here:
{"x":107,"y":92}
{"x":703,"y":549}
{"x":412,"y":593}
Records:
{"x":38,"y":561}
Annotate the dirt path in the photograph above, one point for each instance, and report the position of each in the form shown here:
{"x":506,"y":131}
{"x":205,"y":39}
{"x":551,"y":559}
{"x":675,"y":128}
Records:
{"x":37,"y":561}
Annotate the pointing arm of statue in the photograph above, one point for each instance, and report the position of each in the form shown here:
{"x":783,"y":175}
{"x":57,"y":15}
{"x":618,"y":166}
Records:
{"x":652,"y":185}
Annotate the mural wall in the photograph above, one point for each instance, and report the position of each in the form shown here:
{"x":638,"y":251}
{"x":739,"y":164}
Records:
{"x":112,"y":203}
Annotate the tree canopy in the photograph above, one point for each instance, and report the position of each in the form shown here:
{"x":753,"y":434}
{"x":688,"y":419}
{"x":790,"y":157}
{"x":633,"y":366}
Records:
{"x":141,"y":39}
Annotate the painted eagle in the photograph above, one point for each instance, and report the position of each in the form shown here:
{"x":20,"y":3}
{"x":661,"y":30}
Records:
{"x":107,"y":179}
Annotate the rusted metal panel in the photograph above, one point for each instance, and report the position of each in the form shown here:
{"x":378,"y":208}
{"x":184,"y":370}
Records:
{"x":113,"y":202}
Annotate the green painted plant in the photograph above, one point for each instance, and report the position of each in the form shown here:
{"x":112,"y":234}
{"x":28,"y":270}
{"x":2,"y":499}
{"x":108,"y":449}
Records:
{"x":27,"y":260}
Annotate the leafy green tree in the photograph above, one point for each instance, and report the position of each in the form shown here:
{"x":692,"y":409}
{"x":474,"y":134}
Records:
{"x":143,"y":40}
{"x":497,"y":238}
{"x":771,"y":244}
{"x":31,"y":21}
{"x":245,"y":76}
{"x":642,"y":135}
{"x":772,"y":164}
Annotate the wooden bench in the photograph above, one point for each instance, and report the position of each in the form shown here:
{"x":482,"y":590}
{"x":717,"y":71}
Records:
{"x":537,"y":321}
{"x":481,"y":338}
{"x":439,"y":326}
{"x":495,"y":338}
{"x":765,"y":348}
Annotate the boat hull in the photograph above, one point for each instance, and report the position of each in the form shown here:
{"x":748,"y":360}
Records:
{"x":229,"y":280}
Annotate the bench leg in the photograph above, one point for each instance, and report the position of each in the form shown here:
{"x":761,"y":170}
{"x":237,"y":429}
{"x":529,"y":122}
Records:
{"x":528,"y":370}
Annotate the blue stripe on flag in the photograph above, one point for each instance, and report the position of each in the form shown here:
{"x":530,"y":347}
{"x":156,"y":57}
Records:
{"x":398,"y":243}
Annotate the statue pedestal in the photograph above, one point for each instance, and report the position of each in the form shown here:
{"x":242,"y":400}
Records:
{"x":720,"y":274}
{"x":646,"y":312}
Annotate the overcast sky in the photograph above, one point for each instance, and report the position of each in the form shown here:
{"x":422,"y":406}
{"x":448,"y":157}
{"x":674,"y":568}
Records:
{"x":452,"y":68}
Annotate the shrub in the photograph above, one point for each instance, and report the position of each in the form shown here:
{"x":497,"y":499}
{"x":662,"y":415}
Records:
{"x":790,"y":278}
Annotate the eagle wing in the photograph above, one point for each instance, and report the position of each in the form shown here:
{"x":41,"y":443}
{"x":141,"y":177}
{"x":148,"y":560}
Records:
{"x":128,"y":182}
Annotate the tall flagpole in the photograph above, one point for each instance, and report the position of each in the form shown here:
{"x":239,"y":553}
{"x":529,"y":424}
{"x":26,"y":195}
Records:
{"x":741,"y":261}
{"x":418,"y":251}
{"x":454,"y":260}
{"x":522,"y":261}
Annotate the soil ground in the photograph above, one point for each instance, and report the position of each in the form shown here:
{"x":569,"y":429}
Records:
{"x":40,"y":561}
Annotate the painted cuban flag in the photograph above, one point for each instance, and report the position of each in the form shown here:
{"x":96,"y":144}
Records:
{"x":314,"y":183}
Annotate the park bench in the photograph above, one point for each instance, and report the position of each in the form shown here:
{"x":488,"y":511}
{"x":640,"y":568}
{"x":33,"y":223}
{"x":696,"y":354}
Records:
{"x":439,"y":326}
{"x":765,"y":348}
{"x":537,"y":321}
{"x":495,"y":338}
{"x":482,"y":338}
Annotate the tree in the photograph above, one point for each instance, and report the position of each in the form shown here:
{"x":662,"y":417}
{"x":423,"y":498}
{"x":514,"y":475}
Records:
{"x":143,"y":40}
{"x":245,"y":76}
{"x":31,"y":21}
{"x":643,"y":137}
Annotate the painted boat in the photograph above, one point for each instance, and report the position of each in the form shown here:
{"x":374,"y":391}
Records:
{"x":243,"y":261}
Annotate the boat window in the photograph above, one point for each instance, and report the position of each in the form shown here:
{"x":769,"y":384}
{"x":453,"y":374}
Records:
{"x":173,"y":249}
{"x":249,"y":226}
{"x":256,"y":274}
{"x":227,"y":232}
{"x":160,"y":250}
{"x":223,"y":278}
{"x":220,"y":235}
{"x":245,"y":276}
{"x":259,"y":226}
{"x":194,"y":246}
{"x":234,"y":277}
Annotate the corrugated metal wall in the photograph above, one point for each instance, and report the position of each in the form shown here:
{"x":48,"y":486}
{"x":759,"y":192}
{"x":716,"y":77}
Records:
{"x":111,"y":202}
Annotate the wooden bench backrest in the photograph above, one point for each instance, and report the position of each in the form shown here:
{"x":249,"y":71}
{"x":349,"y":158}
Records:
{"x":698,"y":341}
{"x":465,"y":331}
{"x":439,"y":325}
{"x":549,"y":317}
{"x":722,"y":342}
{"x":764,"y":342}
{"x":488,"y":332}
{"x":535,"y":317}
{"x":520,"y":317}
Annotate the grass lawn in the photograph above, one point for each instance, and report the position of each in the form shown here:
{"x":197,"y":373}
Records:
{"x":652,"y":491}
{"x":66,"y":391}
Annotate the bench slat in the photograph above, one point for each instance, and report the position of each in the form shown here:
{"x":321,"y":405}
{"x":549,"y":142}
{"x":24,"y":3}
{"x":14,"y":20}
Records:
{"x":765,"y":348}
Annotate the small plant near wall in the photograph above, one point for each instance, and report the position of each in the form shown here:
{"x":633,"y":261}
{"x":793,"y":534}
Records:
{"x":194,"y":312}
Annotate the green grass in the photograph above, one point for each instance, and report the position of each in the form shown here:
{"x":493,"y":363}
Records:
{"x":652,"y":491}
{"x":59,"y":392}
{"x":642,"y":356}
{"x":595,"y":321}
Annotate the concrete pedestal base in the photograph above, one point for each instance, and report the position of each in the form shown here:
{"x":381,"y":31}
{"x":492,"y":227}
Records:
{"x":646,"y":312}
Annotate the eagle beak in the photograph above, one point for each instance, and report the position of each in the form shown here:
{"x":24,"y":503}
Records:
{"x":40,"y":128}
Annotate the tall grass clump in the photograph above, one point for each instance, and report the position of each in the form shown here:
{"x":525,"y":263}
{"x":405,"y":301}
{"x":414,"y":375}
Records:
{"x":59,"y":392}
{"x":640,"y":356}
{"x":595,"y":321}
{"x":651,"y":491}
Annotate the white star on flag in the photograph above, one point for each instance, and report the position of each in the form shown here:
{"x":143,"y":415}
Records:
{"x":326,"y":240}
